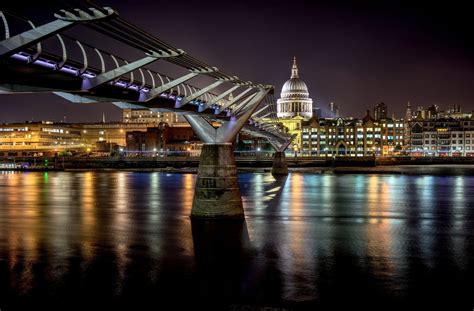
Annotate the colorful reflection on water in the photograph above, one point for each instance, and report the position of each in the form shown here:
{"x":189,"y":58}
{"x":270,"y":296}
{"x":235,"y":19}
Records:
{"x":308,"y":241}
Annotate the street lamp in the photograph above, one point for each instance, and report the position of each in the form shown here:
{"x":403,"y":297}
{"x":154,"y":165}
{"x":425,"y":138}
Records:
{"x":375,"y":156}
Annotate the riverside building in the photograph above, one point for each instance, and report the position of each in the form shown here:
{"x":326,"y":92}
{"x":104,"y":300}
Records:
{"x":440,"y":137}
{"x":37,"y":138}
{"x":17,"y":138}
{"x":47,"y":137}
{"x":352,"y":137}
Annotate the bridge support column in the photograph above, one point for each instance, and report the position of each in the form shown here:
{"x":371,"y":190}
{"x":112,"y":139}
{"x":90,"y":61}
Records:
{"x":279,"y":164}
{"x":217,"y":191}
{"x":279,"y":159}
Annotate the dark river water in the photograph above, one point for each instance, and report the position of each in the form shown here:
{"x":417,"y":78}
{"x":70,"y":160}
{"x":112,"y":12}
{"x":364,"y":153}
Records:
{"x":74,"y":240}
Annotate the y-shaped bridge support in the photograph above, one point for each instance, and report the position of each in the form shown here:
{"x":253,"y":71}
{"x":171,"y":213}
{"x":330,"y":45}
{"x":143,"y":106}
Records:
{"x":279,"y":143}
{"x":279,"y":160}
{"x":217,"y":191}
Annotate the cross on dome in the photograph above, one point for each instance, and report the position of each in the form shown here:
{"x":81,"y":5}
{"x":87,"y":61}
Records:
{"x":294,"y":69}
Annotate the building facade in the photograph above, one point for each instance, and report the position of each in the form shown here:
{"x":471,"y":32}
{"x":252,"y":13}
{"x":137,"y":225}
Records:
{"x":440,"y":137}
{"x":163,"y":140}
{"x":150,"y":117}
{"x":38,"y":137}
{"x":47,"y":137}
{"x":352,"y":137}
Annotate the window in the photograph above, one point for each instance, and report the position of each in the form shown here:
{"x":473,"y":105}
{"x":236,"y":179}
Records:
{"x":459,"y":141}
{"x":468,"y":141}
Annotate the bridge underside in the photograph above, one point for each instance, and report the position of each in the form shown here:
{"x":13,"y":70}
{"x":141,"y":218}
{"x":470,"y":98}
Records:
{"x":17,"y":77}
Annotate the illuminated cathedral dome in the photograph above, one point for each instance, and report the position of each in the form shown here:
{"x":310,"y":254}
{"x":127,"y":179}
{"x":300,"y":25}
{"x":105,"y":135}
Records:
{"x":294,"y":99}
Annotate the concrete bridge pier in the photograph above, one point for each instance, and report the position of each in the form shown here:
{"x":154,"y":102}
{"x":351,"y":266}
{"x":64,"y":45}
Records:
{"x":279,"y":164}
{"x":217,"y":190}
{"x":279,"y":159}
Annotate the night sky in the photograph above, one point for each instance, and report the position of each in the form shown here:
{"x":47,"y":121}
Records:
{"x":353,"y":53}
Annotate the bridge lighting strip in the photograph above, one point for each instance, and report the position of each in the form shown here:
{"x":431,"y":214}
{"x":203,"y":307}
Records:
{"x":25,"y":57}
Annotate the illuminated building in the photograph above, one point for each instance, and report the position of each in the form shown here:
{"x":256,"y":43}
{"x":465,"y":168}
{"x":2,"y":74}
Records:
{"x":40,"y":136}
{"x":441,"y":137}
{"x":47,"y":137}
{"x":150,"y":117}
{"x":294,"y":105}
{"x":294,"y":100}
{"x":352,"y":137}
{"x":433,"y":113}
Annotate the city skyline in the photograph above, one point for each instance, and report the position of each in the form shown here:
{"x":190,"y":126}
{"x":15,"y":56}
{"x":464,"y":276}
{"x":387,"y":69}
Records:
{"x":353,"y":55}
{"x":244,"y":155}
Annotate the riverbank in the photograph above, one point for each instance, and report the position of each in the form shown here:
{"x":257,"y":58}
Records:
{"x":263,"y":162}
{"x":434,"y":169}
{"x":307,"y":165}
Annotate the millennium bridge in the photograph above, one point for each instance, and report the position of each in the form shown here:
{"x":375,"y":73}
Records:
{"x":46,"y":58}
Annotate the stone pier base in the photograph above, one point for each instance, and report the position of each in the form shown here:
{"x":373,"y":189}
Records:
{"x":279,"y":164}
{"x":217,"y":192}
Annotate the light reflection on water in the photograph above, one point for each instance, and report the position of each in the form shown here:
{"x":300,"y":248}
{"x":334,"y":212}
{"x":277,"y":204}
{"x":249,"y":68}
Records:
{"x":307,"y":241}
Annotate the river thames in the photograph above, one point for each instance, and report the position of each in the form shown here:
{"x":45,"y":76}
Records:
{"x":309,"y":241}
